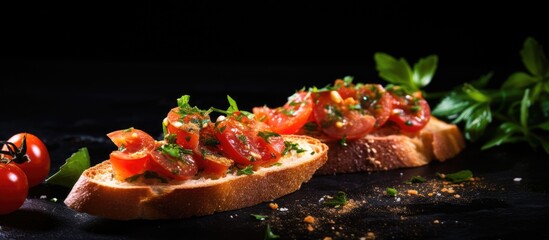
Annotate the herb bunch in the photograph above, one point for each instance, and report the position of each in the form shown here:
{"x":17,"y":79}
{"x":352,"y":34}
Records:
{"x":517,"y":111}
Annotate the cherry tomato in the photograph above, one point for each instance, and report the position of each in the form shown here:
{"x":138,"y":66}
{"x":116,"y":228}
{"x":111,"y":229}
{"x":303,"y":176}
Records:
{"x":13,"y":188}
{"x":209,"y":156}
{"x":38,"y":169}
{"x":378,"y":102}
{"x":186,"y":127}
{"x":132,"y":155}
{"x":247,"y":141}
{"x":341,"y":118}
{"x":289,"y":118}
{"x":345,"y":90}
{"x":178,"y":167}
{"x":410,"y":112}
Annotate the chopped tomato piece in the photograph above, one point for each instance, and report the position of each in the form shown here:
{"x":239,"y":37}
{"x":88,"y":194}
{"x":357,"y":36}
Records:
{"x":376,"y":101}
{"x":341,"y":118}
{"x":133,"y":151}
{"x":289,"y":118}
{"x":185,"y":126}
{"x":180,"y":167}
{"x":248,"y":142}
{"x":411,"y":112}
{"x":209,"y":157}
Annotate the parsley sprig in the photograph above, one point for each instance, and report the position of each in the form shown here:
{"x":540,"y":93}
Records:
{"x":232,"y":109}
{"x":399,"y":72}
{"x":517,"y":111}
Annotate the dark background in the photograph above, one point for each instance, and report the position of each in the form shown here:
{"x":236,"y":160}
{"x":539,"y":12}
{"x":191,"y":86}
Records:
{"x":60,"y":59}
{"x":71,"y":72}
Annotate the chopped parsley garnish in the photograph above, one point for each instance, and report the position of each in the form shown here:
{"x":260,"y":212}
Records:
{"x":343,"y":141}
{"x":415,"y":179}
{"x":259,"y":217}
{"x":340,"y":199}
{"x":233,"y":108}
{"x":175,"y":150}
{"x":457,"y":177}
{"x":310,"y":127}
{"x":186,"y":109}
{"x":212,"y":142}
{"x":288,"y":112}
{"x":289,"y":146}
{"x":128,"y":129}
{"x":243,"y":139}
{"x":121,"y":148}
{"x":269,"y":233}
{"x":391,"y":192}
{"x":245,"y":171}
{"x":267,"y":135}
{"x":170,"y":138}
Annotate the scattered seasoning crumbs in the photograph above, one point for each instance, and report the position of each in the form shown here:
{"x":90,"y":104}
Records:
{"x":436,"y":221}
{"x":258,"y":217}
{"x":309,"y":219}
{"x":43,"y":196}
{"x":53,"y":199}
{"x":327,"y":238}
{"x":340,"y":199}
{"x":517,"y":179}
{"x":273,"y":206}
{"x":310,"y":228}
{"x":457,"y":177}
{"x":370,"y":236}
{"x":283,"y":209}
{"x":412,"y":192}
{"x":415,"y":179}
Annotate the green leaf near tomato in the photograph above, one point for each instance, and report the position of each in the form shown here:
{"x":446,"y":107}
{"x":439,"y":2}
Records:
{"x":69,"y":172}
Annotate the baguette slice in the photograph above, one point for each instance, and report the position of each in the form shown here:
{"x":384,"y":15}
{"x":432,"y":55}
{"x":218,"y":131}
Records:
{"x":387,"y":149}
{"x":98,"y":193}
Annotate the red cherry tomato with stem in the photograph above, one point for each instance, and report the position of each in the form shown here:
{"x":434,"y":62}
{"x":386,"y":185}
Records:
{"x":38,"y":168}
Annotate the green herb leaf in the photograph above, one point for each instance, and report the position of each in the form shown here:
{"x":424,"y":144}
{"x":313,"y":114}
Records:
{"x":71,"y":170}
{"x":415,"y":179}
{"x":248,"y":170}
{"x":259,"y":217}
{"x":267,"y":135}
{"x":233,"y":107}
{"x":524,"y":105}
{"x":289,"y":146}
{"x":457,"y":177}
{"x":519,"y":80}
{"x":504,"y":134}
{"x":424,"y":70}
{"x":269,"y":233}
{"x":392,"y":70}
{"x":534,"y":58}
{"x":340,"y":199}
{"x":391,"y":192}
{"x":451,"y":105}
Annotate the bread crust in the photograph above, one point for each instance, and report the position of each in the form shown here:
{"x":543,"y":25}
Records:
{"x":389,"y":149}
{"x":98,"y":193}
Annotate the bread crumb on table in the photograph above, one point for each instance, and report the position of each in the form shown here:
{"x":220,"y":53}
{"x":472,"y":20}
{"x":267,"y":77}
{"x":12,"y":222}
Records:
{"x":273,"y":206}
{"x":309,"y":219}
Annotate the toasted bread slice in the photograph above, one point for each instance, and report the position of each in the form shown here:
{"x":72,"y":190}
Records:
{"x":98,"y":193}
{"x":387,"y":149}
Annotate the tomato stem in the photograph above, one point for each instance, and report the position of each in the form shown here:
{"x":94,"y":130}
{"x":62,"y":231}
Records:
{"x":17,"y":154}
